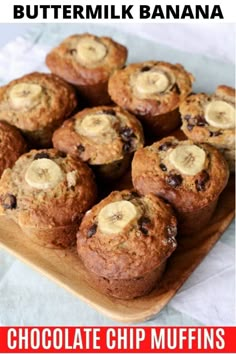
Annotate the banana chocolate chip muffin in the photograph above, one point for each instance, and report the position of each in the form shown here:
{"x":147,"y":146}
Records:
{"x":46,"y":194}
{"x":124,"y":242}
{"x":87,"y":61}
{"x":211,"y":119}
{"x":189,"y":176}
{"x":12,"y":145}
{"x":153,"y":91}
{"x":37,"y":104}
{"x":104,"y":136}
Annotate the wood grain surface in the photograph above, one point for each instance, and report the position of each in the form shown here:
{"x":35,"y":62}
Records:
{"x":65,"y":268}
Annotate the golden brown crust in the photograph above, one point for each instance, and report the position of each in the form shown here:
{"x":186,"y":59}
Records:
{"x":226,"y":91}
{"x":45,"y":209}
{"x":62,"y":61}
{"x":134,"y":251}
{"x":57,"y":102}
{"x":12,"y":145}
{"x":97,"y":150}
{"x":121,"y":90}
{"x":196,"y":128}
{"x":128,"y":288}
{"x":148,"y":176}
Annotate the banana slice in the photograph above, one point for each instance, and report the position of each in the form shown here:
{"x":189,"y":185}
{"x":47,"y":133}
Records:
{"x":153,"y":81}
{"x":114,"y":217}
{"x":97,"y":126}
{"x":188,"y":159}
{"x":43,"y":174}
{"x":25,"y":96}
{"x":90,"y":51}
{"x":220,"y":114}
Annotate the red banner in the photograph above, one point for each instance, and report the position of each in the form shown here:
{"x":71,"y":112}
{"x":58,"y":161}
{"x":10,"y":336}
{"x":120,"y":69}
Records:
{"x":118,"y":339}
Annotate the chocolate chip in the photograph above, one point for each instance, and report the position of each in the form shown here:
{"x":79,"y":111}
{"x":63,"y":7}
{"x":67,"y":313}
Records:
{"x":9,"y":201}
{"x":127,"y":147}
{"x":165,"y":146}
{"x":197,"y":120}
{"x":61,"y":154}
{"x":190,"y":127}
{"x":111,"y":112}
{"x":201,"y":181}
{"x":73,"y":51}
{"x":131,"y":195}
{"x":126,"y":133}
{"x":144,"y":223}
{"x":92,"y":230}
{"x":174,"y":180}
{"x":217,"y":133}
{"x":134,"y":194}
{"x":80,"y":148}
{"x":145,"y":68}
{"x":176,"y":89}
{"x":41,"y":155}
{"x":200,"y":120}
{"x":171,"y":230}
{"x":187,"y":117}
{"x":163,"y":167}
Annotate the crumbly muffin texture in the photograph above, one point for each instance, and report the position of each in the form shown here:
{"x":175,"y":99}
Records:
{"x":211,"y":119}
{"x":12,"y":146}
{"x":37,"y":103}
{"x":85,"y":59}
{"x":188,"y":175}
{"x":100,"y":135}
{"x":150,"y":88}
{"x":126,"y":236}
{"x":46,"y":189}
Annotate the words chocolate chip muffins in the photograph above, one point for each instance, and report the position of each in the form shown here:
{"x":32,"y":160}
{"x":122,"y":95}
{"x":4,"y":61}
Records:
{"x":190,"y":176}
{"x":124,"y":242}
{"x":12,"y":145}
{"x":47,"y":194}
{"x":37,"y":104}
{"x":152,"y":91}
{"x":211,"y":119}
{"x":103,"y":136}
{"x":87,"y":61}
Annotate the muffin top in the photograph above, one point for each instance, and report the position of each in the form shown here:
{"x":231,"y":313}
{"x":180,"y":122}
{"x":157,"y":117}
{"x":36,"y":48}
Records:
{"x":99,"y":135}
{"x":45,"y":187}
{"x":85,"y":59}
{"x":126,"y":235}
{"x":188,"y":175}
{"x":210,"y":118}
{"x":36,"y":100}
{"x":150,"y":88}
{"x":12,"y":145}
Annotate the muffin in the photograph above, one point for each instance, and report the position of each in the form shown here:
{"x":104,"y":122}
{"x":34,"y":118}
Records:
{"x":152,"y":91}
{"x":87,"y":61}
{"x":37,"y":104}
{"x":124,"y":242}
{"x":12,"y":145}
{"x":46,"y":194}
{"x":211,"y":119}
{"x":189,"y":176}
{"x":105,"y":137}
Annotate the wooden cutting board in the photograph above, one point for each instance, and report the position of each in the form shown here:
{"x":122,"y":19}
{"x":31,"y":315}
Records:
{"x":65,"y":268}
